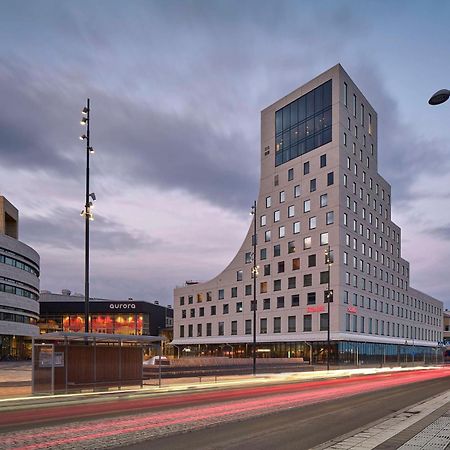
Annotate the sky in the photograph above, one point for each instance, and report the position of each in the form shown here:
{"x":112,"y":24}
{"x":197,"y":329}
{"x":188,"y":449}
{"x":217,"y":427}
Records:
{"x":176,"y":91}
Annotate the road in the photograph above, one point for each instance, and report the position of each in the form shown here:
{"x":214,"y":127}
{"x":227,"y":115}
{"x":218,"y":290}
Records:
{"x":289,"y":415}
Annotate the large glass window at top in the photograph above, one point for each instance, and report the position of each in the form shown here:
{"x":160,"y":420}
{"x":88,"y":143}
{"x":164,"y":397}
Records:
{"x":303,"y":125}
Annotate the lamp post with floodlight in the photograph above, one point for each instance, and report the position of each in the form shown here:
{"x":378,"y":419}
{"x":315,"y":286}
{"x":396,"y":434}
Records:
{"x":87,"y":211}
{"x":328,"y":300}
{"x":254,"y":275}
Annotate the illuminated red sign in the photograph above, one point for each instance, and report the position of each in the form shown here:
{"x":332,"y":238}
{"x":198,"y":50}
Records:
{"x":352,"y":309}
{"x":313,"y":309}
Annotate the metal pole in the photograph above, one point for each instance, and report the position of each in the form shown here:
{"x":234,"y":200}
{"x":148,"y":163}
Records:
{"x":33,"y":362}
{"x":87,"y":217}
{"x":254,"y":287}
{"x":159,"y":370}
{"x":328,"y":310}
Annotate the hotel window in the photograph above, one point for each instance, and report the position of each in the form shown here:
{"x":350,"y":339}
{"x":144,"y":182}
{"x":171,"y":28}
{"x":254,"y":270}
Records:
{"x":348,"y":123}
{"x":323,"y":200}
{"x":263,"y":253}
{"x":346,"y":297}
{"x":345,"y":221}
{"x":209,"y":295}
{"x":221,"y":294}
{"x":292,"y":283}
{"x":268,"y":202}
{"x":266,"y":303}
{"x":306,"y":243}
{"x":226,"y":309}
{"x":290,"y":174}
{"x":323,"y":238}
{"x":312,"y":261}
{"x":277,"y":324}
{"x":323,"y":160}
{"x":312,"y":223}
{"x":280,"y":302}
{"x":248,"y":257}
{"x":354,"y":105}
{"x":296,"y":227}
{"x":347,"y":322}
{"x":281,"y":232}
{"x":280,"y":266}
{"x":276,"y":216}
{"x":201,"y":311}
{"x":306,"y":168}
{"x":276,"y":250}
{"x":345,"y":180}
{"x":311,"y":298}
{"x":190,"y":330}
{"x":356,"y":131}
{"x":323,"y":322}
{"x":233,"y":327}
{"x":362,"y":325}
{"x":306,"y":206}
{"x":282,"y":196}
{"x":183,"y":314}
{"x":263,"y":221}
{"x":181,"y":330}
{"x":348,"y":162}
{"x":199,"y":329}
{"x":239,"y":307}
{"x":307,"y":322}
{"x":291,"y":324}
{"x":362,"y":114}
{"x":330,"y":178}
{"x":213,"y":310}
{"x":355,"y":324}
{"x":190,"y":299}
{"x":296,"y":191}
{"x":263,"y":326}
{"x":263,"y":287}
{"x":267,"y":236}
{"x":233,"y":292}
{"x":330,"y":217}
{"x":181,"y":301}
{"x":295,"y":300}
{"x":248,"y":289}
{"x":296,"y":264}
{"x":239,"y":275}
{"x":370,"y":123}
{"x":312,"y":185}
{"x":345,"y":139}
{"x":221,"y":329}
{"x":291,"y":247}
{"x":266,"y":269}
{"x":324,"y":277}
{"x":291,"y":211}
{"x":208,"y":329}
{"x":307,"y":280}
{"x":277,"y":285}
{"x":345,"y":94}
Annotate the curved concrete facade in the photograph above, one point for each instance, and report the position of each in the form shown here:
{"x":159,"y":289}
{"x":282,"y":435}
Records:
{"x":19,"y":295}
{"x":326,"y":196}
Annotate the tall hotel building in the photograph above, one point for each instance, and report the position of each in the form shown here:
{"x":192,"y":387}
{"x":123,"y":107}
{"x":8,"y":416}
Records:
{"x":320,"y":189}
{"x":19,"y":287}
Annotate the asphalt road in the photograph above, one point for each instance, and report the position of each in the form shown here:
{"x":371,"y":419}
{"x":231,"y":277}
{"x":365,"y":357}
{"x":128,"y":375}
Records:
{"x":283,"y":415}
{"x":302,"y":427}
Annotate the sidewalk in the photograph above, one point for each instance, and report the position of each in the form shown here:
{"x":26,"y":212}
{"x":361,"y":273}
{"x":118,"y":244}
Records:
{"x":15,"y":378}
{"x":425,"y":425}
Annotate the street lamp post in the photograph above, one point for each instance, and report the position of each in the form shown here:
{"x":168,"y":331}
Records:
{"x":439,"y":97}
{"x":254,"y":275}
{"x":328,"y":299}
{"x":86,"y":212}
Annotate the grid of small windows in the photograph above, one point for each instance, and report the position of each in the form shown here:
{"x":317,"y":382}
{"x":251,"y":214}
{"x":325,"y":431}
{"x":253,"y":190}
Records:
{"x":304,"y":124}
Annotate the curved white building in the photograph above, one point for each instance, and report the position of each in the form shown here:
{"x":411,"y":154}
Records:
{"x":19,"y":287}
{"x":320,"y":189}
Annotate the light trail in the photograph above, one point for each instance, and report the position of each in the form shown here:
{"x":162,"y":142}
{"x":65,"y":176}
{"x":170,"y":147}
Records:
{"x":227,"y":408}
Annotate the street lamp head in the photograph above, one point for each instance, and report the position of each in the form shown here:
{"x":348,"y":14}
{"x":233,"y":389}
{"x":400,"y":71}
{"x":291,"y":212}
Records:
{"x":93,"y":196}
{"x":83,"y":121}
{"x":91,"y":150}
{"x":85,"y":110}
{"x":439,"y":97}
{"x":83,"y":137}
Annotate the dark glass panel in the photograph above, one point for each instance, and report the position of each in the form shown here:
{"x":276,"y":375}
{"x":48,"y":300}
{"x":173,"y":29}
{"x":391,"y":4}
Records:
{"x":285,"y":155}
{"x":286,"y":117}
{"x":318,"y":98}
{"x":278,"y":121}
{"x":318,"y":140}
{"x":327,"y":94}
{"x":310,"y":126}
{"x":294,"y":134}
{"x":294,"y":151}
{"x":327,"y":118}
{"x":301,"y":131}
{"x":279,"y":158}
{"x":318,"y":121}
{"x":326,"y":135}
{"x":294,"y":112}
{"x":286,"y":139}
{"x":301,"y":148}
{"x":310,"y":144}
{"x":310,"y":104}
{"x":301,"y":108}
{"x":278,"y":143}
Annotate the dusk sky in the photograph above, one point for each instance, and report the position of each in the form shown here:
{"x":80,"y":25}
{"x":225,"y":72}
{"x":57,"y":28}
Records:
{"x":176,"y":91}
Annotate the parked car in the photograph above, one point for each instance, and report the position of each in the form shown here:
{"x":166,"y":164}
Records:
{"x":154,"y":361}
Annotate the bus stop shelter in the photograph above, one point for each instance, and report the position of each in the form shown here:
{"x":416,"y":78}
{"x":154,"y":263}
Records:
{"x":65,"y":362}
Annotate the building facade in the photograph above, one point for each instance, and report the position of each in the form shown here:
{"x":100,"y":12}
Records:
{"x":19,"y":287}
{"x":65,"y":312}
{"x":320,"y":191}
